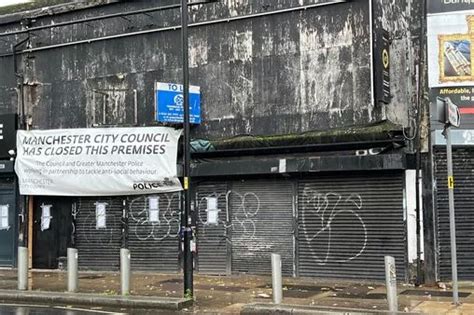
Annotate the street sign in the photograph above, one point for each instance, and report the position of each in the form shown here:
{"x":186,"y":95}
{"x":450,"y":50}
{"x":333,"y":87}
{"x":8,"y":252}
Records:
{"x":169,"y":103}
{"x":448,"y":112}
{"x":454,"y":117}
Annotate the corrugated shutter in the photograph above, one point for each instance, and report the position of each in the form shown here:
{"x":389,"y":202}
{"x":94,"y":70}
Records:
{"x":347,"y":224}
{"x":213,"y":244}
{"x":262,"y":223}
{"x":99,"y":248}
{"x":154,"y":244}
{"x":463,"y":167}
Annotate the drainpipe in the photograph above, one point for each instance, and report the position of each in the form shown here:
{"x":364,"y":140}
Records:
{"x":371,"y":40}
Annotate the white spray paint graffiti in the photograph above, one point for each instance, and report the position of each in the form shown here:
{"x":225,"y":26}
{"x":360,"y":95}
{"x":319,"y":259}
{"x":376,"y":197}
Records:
{"x":327,"y":207}
{"x":245,"y":211}
{"x":88,"y":228}
{"x":145,"y":228}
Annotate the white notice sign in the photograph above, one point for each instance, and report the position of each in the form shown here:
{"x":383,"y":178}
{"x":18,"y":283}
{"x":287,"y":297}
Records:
{"x":100,"y":215}
{"x":97,"y":162}
{"x":4,"y":225}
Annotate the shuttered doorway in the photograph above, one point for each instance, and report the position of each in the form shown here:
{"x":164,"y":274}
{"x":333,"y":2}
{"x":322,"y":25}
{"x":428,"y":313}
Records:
{"x":348,"y":223}
{"x":99,"y":246}
{"x":8,"y":224}
{"x":51,"y":235}
{"x":463,"y":167}
{"x":213,"y":241}
{"x":153,"y":238}
{"x":262,"y":223}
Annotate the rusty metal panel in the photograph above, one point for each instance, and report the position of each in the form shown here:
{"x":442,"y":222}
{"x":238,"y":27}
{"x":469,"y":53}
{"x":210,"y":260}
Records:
{"x":463,"y":165}
{"x":262,"y":223}
{"x":348,"y":223}
{"x":153,"y":239}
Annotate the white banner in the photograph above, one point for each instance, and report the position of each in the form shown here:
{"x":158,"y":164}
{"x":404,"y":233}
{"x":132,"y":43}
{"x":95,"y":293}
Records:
{"x":97,"y":162}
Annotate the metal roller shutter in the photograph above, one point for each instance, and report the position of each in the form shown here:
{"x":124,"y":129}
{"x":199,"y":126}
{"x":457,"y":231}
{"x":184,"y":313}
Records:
{"x":213,"y":239}
{"x":154,"y":245}
{"x":262,"y":218}
{"x":347,"y":224}
{"x":463,"y":166}
{"x":99,"y":248}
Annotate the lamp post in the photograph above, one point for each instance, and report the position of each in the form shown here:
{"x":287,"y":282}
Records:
{"x":187,"y":231}
{"x":448,"y":113}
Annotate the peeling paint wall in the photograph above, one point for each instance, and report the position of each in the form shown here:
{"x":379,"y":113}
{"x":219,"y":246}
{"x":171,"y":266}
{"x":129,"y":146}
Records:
{"x":402,"y":18}
{"x":286,"y":72}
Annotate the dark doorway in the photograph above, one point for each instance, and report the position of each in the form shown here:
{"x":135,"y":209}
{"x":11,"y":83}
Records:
{"x":52,"y":227}
{"x":7,"y":222}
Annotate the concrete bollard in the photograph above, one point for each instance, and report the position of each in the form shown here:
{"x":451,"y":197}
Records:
{"x":22,"y":268}
{"x":125,"y":270}
{"x":276,"y":279}
{"x":391,"y":283}
{"x":72,"y":270}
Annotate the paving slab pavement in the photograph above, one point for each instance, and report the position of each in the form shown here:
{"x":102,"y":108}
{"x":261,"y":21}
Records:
{"x":88,"y":299}
{"x":262,"y":309}
{"x":436,"y":307}
{"x":230,"y":294}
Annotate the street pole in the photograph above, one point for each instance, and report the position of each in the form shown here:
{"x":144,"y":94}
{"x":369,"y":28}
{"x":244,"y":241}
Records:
{"x":188,"y":258}
{"x":452,"y":221}
{"x":22,"y":260}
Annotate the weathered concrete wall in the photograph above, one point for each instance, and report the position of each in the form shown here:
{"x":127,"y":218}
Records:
{"x":403,"y":20}
{"x":279,"y":73}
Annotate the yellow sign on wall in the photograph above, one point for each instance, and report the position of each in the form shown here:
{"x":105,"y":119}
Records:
{"x":450,"y":182}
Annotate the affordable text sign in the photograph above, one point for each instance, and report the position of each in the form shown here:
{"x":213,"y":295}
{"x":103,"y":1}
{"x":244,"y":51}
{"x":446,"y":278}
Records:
{"x":97,"y":162}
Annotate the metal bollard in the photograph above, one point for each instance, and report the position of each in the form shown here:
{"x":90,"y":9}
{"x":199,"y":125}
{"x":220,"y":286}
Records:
{"x":22,"y":268}
{"x":276,"y":279}
{"x":125,"y":270}
{"x":391,"y":283}
{"x":72,"y":270}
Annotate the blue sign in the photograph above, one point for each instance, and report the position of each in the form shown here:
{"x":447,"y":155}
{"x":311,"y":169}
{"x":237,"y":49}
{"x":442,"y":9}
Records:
{"x":169,"y":103}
